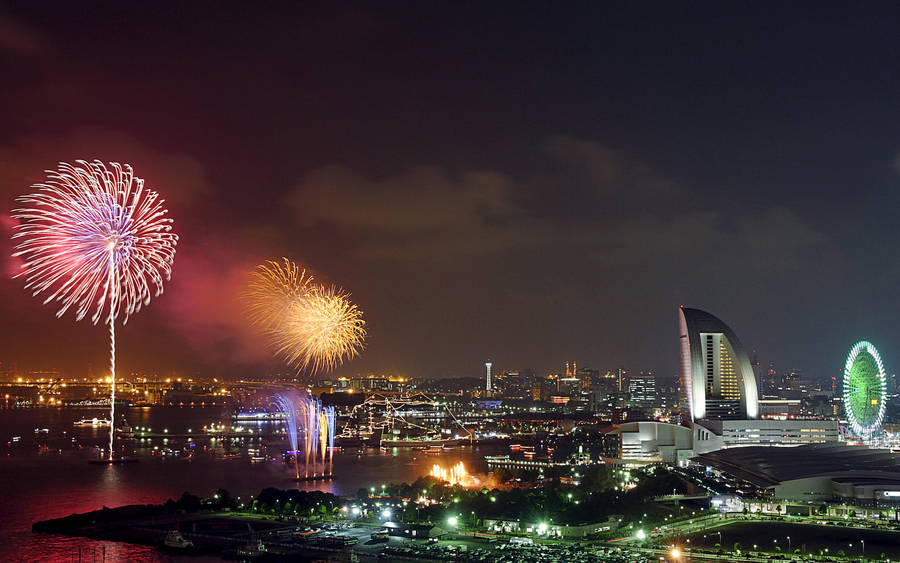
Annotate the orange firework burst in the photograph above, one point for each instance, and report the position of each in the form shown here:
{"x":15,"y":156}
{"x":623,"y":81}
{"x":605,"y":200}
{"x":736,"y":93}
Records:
{"x":313,"y":327}
{"x":321,"y":330}
{"x":274,"y":288}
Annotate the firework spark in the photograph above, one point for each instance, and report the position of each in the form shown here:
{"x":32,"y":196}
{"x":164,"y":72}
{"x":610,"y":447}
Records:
{"x":312,"y":327}
{"x":273,"y":288}
{"x":96,"y":240}
{"x":454,"y":476}
{"x":321,"y":330}
{"x":306,"y":418}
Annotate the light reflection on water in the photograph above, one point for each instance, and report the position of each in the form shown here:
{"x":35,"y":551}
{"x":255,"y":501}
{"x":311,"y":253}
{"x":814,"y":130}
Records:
{"x":40,"y":486}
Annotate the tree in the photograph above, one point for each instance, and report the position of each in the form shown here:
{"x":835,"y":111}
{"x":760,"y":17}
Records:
{"x":737,"y":546}
{"x":841,"y":553}
{"x":188,"y":503}
{"x":222,"y":499}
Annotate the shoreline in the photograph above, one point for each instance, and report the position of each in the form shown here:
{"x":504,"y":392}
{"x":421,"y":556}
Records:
{"x":212,"y":531}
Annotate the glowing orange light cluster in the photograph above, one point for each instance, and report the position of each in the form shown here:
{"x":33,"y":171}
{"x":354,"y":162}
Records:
{"x":453,"y":476}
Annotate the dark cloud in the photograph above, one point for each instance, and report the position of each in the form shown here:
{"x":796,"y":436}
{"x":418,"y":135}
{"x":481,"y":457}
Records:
{"x":19,"y":38}
{"x":775,"y":240}
{"x":424,"y":213}
{"x":602,"y":166}
{"x":181,"y":178}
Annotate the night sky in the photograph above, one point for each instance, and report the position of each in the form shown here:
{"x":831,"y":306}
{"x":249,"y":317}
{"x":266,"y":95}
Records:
{"x":534,"y":182}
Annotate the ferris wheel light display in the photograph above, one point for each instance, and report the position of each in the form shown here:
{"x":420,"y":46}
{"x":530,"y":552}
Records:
{"x":864,"y":389}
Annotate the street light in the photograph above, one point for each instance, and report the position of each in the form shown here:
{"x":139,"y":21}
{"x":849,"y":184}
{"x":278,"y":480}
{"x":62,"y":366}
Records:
{"x":789,"y":543}
{"x":864,"y":547}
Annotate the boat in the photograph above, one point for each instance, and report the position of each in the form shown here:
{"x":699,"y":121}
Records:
{"x":262,"y":415}
{"x":252,"y":550}
{"x":113,"y":461}
{"x":174,"y":540}
{"x":349,"y":441}
{"x":124,"y":432}
{"x":418,"y":443}
{"x":92,"y":422}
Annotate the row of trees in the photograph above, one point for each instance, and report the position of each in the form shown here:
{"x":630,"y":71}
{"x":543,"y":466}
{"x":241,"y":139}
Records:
{"x":295,"y":503}
{"x":597,"y":497}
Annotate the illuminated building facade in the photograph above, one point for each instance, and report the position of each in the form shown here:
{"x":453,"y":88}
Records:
{"x":642,"y":390}
{"x":716,"y":373}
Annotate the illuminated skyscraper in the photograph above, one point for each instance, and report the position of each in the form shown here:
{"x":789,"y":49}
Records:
{"x":642,"y":390}
{"x":487,"y":382}
{"x":715,"y":370}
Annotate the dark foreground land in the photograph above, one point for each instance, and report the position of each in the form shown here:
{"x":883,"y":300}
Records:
{"x":221,"y":533}
{"x":230,"y":534}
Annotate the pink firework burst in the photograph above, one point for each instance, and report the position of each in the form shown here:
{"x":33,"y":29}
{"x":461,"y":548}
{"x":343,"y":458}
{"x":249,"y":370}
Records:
{"x":94,"y":238}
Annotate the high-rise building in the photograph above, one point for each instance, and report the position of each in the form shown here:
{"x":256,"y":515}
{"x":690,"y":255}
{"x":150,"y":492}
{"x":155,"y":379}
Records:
{"x":487,"y":382}
{"x":715,"y":370}
{"x":642,"y":390}
{"x":793,"y":383}
{"x":771,"y":375}
{"x":621,"y":374}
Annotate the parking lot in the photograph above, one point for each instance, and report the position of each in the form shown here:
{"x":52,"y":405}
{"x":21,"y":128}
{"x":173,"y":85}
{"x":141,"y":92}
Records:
{"x":510,"y":553}
{"x":365,"y":542}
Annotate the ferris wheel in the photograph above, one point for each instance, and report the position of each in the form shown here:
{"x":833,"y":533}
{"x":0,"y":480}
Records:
{"x":865,"y":387}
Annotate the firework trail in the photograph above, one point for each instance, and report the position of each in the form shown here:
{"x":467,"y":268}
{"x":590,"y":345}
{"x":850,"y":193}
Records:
{"x":286,"y":404}
{"x":331,"y":421}
{"x":306,"y":417}
{"x":94,"y":239}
